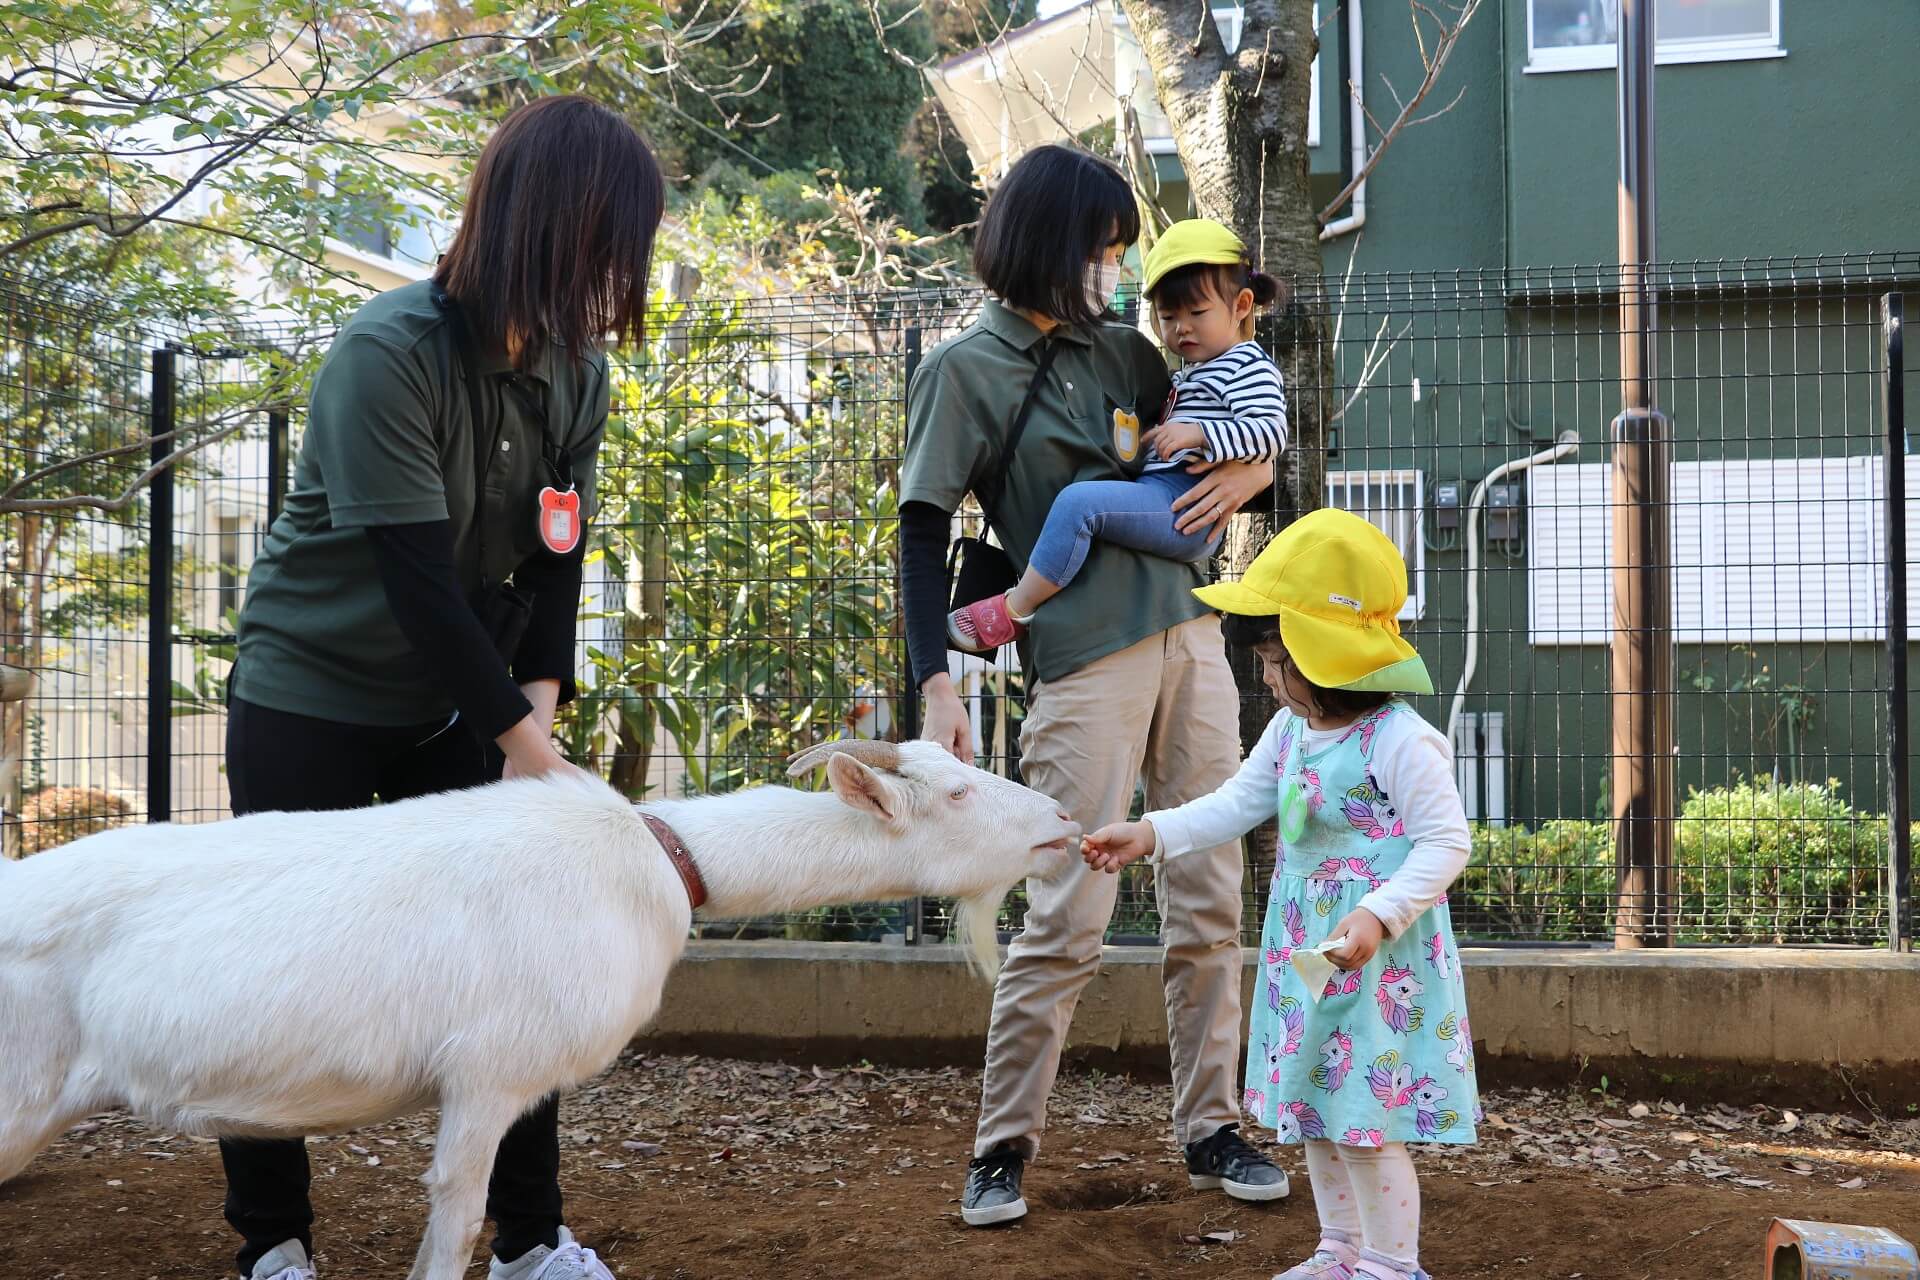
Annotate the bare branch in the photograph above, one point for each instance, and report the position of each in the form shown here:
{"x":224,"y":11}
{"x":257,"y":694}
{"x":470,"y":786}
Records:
{"x":127,"y":496}
{"x":1435,"y":61}
{"x":1437,"y":113}
{"x":880,"y":30}
{"x":1371,"y":364}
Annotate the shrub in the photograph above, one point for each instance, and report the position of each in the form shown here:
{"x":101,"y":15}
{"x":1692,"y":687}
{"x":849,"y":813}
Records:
{"x":54,"y":816}
{"x":1759,"y":861}
{"x":1552,"y":884}
{"x":1766,"y":862}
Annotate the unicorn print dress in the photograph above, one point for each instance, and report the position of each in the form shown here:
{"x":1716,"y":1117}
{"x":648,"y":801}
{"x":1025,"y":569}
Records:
{"x":1386,"y":1053}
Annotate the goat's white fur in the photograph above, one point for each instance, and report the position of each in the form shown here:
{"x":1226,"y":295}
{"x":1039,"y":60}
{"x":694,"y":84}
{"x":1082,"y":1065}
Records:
{"x":303,"y":973}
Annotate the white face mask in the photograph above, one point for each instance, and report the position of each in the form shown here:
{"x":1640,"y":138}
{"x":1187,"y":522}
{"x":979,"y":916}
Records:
{"x":1102,"y":281}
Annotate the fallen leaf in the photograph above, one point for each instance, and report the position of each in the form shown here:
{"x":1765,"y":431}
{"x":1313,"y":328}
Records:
{"x":1213,"y":1237}
{"x":1788,"y":1123}
{"x":643,"y":1148}
{"x":1639,"y":1111}
{"x":1853,"y":1184}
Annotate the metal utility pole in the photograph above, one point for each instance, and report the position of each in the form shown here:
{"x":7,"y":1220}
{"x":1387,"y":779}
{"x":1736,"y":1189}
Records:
{"x":1642,"y":656}
{"x":1899,"y":799}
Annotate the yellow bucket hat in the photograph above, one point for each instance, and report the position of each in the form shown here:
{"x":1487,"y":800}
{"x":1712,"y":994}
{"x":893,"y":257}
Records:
{"x":1186,"y":243}
{"x":1337,"y":585}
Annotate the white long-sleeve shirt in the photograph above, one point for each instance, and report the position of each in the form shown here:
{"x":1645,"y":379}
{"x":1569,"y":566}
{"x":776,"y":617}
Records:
{"x":1412,"y":765}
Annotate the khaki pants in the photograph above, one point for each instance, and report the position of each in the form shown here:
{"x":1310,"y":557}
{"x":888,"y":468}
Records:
{"x":1166,"y":708}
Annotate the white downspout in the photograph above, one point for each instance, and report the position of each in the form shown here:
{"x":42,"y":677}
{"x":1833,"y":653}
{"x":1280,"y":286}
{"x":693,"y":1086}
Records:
{"x":1357,"y":124}
{"x":1568,"y":443}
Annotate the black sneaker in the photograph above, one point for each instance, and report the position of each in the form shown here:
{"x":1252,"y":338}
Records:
{"x":993,"y":1188}
{"x":1227,"y":1162}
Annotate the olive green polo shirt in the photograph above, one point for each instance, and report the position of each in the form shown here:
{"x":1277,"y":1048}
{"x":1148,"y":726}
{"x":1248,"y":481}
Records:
{"x":390,"y":440}
{"x":1107,"y":385}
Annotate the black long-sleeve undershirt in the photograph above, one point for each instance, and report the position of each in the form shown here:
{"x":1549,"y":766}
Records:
{"x":416,"y":567}
{"x":925,"y":531}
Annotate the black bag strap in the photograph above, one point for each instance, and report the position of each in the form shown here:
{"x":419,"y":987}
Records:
{"x":482,"y":451}
{"x":988,"y":502}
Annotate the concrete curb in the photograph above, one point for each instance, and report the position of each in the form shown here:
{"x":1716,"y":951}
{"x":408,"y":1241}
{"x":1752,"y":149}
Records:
{"x":1822,"y":1027}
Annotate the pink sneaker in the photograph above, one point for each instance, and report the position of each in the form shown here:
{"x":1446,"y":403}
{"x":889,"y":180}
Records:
{"x":1331,"y":1260}
{"x":983,"y":626}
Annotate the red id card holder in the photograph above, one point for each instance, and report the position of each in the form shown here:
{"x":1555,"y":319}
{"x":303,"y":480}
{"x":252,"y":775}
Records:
{"x":559,"y":520}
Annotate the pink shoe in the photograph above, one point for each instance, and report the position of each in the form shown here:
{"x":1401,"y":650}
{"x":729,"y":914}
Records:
{"x":1332,"y":1260}
{"x":983,"y":626}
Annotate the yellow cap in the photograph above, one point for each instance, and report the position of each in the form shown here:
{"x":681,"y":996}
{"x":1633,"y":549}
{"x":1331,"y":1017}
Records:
{"x":1196,"y":240}
{"x":1337,"y":585}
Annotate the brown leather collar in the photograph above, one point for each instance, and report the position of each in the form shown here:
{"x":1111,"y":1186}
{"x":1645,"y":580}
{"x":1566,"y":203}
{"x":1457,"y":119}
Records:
{"x":682,"y":860}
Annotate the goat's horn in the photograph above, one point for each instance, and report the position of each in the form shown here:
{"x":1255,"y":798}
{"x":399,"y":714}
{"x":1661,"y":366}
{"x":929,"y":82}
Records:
{"x":869,"y":751}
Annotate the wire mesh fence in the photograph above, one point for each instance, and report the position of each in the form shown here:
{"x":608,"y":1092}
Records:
{"x":741,"y":602}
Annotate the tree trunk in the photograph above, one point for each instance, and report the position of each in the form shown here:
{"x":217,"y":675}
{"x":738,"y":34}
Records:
{"x":22,"y":595}
{"x":1240,"y":125}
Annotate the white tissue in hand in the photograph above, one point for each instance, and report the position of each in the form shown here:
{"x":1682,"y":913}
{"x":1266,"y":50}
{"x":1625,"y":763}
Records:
{"x":1314,"y":968}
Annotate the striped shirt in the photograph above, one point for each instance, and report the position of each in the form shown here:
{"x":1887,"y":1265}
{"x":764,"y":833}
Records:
{"x":1237,"y":400}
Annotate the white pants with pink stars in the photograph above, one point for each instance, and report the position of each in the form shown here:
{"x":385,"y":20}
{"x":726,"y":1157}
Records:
{"x":1369,"y":1199}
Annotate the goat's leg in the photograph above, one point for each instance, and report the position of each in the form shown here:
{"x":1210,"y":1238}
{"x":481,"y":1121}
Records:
{"x":26,"y":1127}
{"x":470,"y":1131}
{"x":25,"y":1132}
{"x":39,"y":1099}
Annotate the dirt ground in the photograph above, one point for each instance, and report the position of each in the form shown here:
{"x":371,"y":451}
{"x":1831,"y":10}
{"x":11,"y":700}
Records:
{"x":693,"y":1168}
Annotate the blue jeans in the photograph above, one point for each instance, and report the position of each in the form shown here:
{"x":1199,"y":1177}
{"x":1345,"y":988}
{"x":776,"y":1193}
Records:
{"x":1128,"y":513}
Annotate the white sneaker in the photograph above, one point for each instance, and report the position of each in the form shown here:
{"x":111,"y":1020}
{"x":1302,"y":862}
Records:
{"x":567,"y":1262}
{"x":285,"y":1262}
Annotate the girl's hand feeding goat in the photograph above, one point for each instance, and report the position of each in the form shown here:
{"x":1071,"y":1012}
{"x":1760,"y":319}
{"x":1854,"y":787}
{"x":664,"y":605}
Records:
{"x":362,"y":952}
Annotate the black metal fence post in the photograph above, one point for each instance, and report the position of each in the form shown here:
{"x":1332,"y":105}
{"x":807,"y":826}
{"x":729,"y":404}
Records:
{"x":276,"y":461}
{"x":1899,"y":803}
{"x":913,"y":910}
{"x":160,"y":593}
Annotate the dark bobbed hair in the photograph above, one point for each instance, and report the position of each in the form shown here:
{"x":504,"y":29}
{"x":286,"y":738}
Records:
{"x":1056,"y":208}
{"x":556,"y":240}
{"x":1262,"y":635}
{"x":1195,"y":282}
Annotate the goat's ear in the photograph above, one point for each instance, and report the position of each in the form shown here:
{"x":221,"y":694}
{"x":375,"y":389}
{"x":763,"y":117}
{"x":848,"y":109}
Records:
{"x":862,"y":788}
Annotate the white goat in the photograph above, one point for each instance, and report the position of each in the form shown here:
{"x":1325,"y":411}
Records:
{"x":306,"y":973}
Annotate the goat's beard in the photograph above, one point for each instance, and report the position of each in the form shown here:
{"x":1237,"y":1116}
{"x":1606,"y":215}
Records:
{"x":977,"y":925}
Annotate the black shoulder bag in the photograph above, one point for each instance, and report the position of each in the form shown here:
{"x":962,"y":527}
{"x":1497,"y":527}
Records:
{"x":503,"y":610}
{"x":976,"y":568}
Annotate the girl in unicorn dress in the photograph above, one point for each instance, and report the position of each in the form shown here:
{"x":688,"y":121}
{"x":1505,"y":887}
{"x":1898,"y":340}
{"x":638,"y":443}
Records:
{"x":1372,"y":832}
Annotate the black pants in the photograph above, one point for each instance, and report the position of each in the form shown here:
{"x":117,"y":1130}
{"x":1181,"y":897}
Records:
{"x":277,"y":761}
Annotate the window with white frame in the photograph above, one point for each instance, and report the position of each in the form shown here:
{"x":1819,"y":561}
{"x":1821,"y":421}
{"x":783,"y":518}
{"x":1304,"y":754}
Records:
{"x":1764,"y":551}
{"x":1580,"y":35}
{"x":1393,"y":502}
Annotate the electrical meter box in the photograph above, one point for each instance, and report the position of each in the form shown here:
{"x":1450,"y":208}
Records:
{"x":1503,"y":513}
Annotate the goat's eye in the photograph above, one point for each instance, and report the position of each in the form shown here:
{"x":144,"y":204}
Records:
{"x":958,"y":793}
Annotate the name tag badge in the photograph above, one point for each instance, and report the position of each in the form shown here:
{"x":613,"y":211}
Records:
{"x":559,"y":520}
{"x":1126,"y":434}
